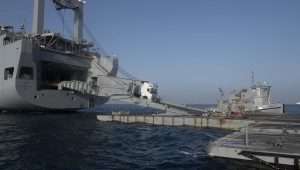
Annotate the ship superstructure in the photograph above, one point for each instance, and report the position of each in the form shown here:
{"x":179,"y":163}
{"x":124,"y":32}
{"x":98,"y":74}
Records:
{"x":44,"y":70}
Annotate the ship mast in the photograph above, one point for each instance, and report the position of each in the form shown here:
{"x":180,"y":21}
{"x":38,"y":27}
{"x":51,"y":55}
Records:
{"x":252,"y":78}
{"x":38,"y":17}
{"x":78,"y":23}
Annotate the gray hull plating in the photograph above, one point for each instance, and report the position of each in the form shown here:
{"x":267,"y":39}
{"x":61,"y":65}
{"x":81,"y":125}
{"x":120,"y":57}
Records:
{"x":20,"y":94}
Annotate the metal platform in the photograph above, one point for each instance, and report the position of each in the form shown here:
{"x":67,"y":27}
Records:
{"x":271,"y":144}
{"x":176,"y":121}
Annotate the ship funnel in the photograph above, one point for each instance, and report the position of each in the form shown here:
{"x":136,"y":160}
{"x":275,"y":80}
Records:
{"x":38,"y":17}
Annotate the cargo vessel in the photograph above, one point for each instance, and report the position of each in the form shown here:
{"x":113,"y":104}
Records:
{"x":38,"y":68}
{"x":255,"y":99}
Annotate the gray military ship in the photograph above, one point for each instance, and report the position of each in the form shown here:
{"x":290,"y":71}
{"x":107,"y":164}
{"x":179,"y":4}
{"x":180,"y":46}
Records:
{"x":255,"y":99}
{"x":42,"y":70}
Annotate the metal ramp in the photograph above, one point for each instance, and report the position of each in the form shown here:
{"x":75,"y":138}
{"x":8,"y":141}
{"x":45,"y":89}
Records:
{"x":121,"y":89}
{"x":170,"y":109}
{"x":94,"y":90}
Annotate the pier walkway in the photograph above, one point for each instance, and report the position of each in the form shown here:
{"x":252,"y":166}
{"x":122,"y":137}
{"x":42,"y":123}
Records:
{"x":171,"y":120}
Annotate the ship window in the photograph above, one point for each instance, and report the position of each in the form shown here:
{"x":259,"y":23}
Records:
{"x":6,"y":40}
{"x":26,"y":73}
{"x":8,"y":73}
{"x":154,"y":91}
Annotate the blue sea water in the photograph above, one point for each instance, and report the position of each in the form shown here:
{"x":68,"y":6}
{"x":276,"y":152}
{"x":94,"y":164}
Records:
{"x":293,"y":110}
{"x":64,"y":141}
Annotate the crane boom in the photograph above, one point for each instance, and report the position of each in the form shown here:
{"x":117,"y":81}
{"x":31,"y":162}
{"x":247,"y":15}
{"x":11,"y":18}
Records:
{"x":67,"y":4}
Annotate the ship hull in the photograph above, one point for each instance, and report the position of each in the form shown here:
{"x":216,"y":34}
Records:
{"x":272,"y":108}
{"x":17,"y":93}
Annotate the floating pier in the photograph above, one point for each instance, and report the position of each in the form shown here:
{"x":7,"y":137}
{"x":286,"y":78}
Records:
{"x":186,"y":120}
{"x":273,"y":144}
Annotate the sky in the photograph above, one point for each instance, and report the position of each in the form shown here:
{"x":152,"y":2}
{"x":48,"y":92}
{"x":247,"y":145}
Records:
{"x":190,"y":48}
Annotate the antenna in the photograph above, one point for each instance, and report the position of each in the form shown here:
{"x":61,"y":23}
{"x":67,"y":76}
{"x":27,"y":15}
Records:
{"x":221,"y":92}
{"x":23,"y":26}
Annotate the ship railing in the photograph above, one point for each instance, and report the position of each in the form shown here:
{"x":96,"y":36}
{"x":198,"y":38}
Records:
{"x":80,"y":86}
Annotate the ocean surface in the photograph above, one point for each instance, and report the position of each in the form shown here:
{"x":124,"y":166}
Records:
{"x":64,"y":141}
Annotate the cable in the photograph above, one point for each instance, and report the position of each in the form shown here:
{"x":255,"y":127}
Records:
{"x":100,"y":48}
{"x":104,"y":53}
